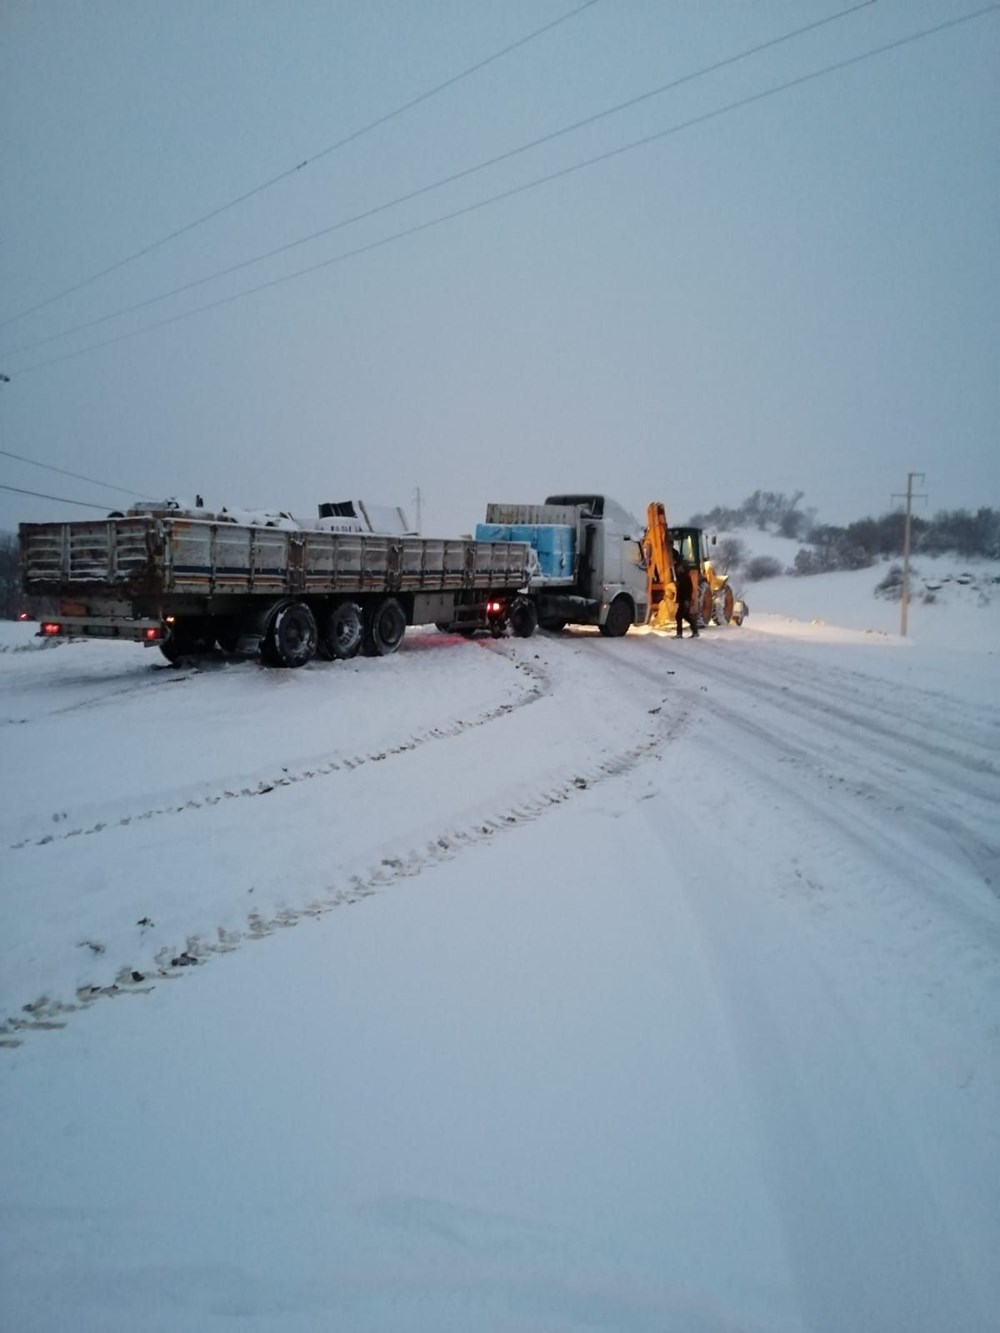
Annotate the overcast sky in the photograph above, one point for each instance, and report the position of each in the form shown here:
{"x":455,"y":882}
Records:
{"x":797,"y":294}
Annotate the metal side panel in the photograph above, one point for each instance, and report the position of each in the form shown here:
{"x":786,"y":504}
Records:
{"x":419,"y":564}
{"x":454,"y":562}
{"x":189,"y":567}
{"x":431,"y":563}
{"x":533,"y":514}
{"x":501,"y":564}
{"x":347,"y":554}
{"x":133,"y":549}
{"x":43,"y":553}
{"x":270,"y":559}
{"x":347,"y":562}
{"x":104,"y":553}
{"x":90,"y":552}
{"x":232,"y":558}
{"x":207,"y":558}
{"x":375,"y":561}
{"x":319,"y":561}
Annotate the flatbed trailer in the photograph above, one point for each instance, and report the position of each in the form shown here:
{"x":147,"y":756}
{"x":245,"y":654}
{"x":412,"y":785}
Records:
{"x":188,"y":584}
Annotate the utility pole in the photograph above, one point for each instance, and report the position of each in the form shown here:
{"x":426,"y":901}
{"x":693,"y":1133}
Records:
{"x":416,"y":497}
{"x":904,"y":607}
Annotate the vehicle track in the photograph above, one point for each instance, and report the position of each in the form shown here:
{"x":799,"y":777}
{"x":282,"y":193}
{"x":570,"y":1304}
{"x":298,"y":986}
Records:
{"x":846,"y":697}
{"x":47,"y":1013}
{"x":914,"y":813}
{"x":894,"y":767}
{"x":537,"y":687}
{"x":106,"y":697}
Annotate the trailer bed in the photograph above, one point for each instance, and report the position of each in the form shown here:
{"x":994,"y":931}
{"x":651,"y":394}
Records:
{"x":148,"y":557}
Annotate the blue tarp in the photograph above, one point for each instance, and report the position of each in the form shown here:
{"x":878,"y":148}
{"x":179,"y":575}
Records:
{"x":553,"y":543}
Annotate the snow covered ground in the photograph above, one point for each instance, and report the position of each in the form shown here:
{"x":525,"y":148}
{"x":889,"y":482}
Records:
{"x":525,"y":985}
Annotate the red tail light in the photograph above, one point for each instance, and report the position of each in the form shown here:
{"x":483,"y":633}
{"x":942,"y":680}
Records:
{"x":494,"y":608}
{"x":50,"y":627}
{"x":151,"y":635}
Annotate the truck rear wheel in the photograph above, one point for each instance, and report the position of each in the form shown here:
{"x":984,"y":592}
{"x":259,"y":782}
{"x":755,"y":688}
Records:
{"x":386,"y":629}
{"x":291,"y":637}
{"x":619,"y":618}
{"x":343,"y":631}
{"x":523,"y":618}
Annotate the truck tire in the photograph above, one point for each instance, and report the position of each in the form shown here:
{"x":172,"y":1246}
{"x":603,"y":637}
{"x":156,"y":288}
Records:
{"x":344,"y":630}
{"x":619,"y":618}
{"x":523,"y":618}
{"x":291,"y":638}
{"x":386,"y":629}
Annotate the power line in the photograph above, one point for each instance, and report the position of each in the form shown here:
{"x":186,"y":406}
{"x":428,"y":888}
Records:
{"x":49,"y":467}
{"x":527,"y":186}
{"x":299,"y":166}
{"x":445,"y":180}
{"x":39,"y":495}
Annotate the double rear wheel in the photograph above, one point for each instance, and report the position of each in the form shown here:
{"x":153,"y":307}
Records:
{"x":291,"y":638}
{"x":385,"y":629}
{"x":343,"y":632}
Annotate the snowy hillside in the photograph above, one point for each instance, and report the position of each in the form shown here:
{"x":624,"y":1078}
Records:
{"x":953,"y":601}
{"x":529,"y":985}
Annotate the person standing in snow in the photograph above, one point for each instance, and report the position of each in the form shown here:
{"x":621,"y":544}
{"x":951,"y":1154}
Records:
{"x":682,"y":585}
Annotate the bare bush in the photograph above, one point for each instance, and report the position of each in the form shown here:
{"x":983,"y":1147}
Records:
{"x":763,"y":567}
{"x":731,"y":553}
{"x":891,"y":586}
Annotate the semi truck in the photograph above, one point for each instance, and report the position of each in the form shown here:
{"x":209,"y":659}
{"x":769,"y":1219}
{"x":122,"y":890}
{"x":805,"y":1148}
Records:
{"x":587,"y":564}
{"x":188,"y":580}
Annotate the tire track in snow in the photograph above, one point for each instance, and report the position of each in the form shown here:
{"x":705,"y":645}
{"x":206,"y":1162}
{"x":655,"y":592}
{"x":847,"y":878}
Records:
{"x":916,"y":775}
{"x":536,"y":689}
{"x":856,"y":844}
{"x":47,"y":1013}
{"x":143,"y":683}
{"x":941,"y":724}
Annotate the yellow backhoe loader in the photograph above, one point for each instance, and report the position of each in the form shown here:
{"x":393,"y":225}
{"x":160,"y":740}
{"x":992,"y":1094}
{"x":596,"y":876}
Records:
{"x":713,"y":600}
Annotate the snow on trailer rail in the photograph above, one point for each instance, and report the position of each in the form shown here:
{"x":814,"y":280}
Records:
{"x":189,"y":583}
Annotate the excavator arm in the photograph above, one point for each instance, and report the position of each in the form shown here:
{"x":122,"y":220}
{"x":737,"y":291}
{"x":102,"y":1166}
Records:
{"x":660,"y":574}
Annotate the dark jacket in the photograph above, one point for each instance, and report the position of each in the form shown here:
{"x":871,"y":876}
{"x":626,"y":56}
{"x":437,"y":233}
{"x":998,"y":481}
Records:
{"x":682,"y":573}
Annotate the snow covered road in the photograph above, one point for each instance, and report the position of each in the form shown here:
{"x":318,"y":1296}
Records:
{"x":644,"y":985}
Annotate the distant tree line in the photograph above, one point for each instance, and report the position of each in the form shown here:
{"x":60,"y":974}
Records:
{"x":855,"y":546}
{"x":10,"y":577}
{"x":766,"y":510}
